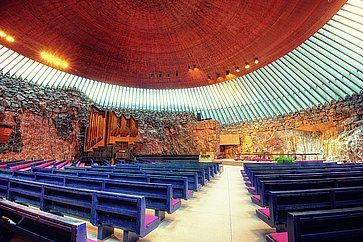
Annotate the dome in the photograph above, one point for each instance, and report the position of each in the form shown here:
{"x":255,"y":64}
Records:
{"x":163,"y":44}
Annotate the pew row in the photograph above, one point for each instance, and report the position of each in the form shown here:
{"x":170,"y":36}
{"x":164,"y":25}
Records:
{"x":157,"y":196}
{"x":324,"y":225}
{"x":106,"y":210}
{"x":179,"y":184}
{"x":201,"y":175}
{"x":35,"y":225}
{"x":192,"y":177}
{"x":282,"y":202}
{"x":268,"y":186}
{"x":322,"y":175}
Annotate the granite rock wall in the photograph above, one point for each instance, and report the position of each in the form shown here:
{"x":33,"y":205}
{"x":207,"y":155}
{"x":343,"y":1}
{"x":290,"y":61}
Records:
{"x":48,"y":123}
{"x":51,"y":123}
{"x":334,"y":130}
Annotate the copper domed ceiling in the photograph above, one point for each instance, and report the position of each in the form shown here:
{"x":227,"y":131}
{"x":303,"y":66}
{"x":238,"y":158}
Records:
{"x":151,"y":43}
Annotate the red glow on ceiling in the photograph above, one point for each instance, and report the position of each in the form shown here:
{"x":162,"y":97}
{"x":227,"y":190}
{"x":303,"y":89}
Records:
{"x":150,"y":44}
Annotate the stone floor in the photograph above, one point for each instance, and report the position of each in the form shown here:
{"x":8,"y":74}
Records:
{"x":221,"y":212}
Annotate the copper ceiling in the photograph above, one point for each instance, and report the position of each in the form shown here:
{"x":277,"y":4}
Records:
{"x":151,"y":43}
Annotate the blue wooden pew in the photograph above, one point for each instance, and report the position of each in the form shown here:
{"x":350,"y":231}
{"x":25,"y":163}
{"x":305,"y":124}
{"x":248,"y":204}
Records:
{"x":250,"y":168}
{"x":179,"y":184}
{"x":294,"y":166}
{"x":334,"y":225}
{"x":282,"y":202}
{"x":200,"y":172}
{"x":192,"y":177}
{"x":157,"y":196}
{"x":288,"y":185}
{"x":106,"y":210}
{"x":35,"y":225}
{"x":325,"y":175}
{"x":306,"y":171}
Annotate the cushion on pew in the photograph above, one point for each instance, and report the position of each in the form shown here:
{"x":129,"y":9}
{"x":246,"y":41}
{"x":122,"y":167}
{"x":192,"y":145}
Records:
{"x":189,"y":192}
{"x":175,"y":201}
{"x":149,"y":219}
{"x":257,"y":197}
{"x":265,"y":211}
{"x":251,"y":188}
{"x":279,"y":237}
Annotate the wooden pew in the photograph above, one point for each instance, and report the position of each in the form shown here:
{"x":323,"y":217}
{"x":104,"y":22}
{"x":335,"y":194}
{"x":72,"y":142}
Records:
{"x":179,"y":184}
{"x":35,"y":225}
{"x":282,"y":202}
{"x":306,"y":171}
{"x":288,"y":185}
{"x":157,"y":196}
{"x":201,"y":172}
{"x":323,"y":225}
{"x":325,"y":175}
{"x":250,"y":168}
{"x":106,"y":210}
{"x":192,"y":177}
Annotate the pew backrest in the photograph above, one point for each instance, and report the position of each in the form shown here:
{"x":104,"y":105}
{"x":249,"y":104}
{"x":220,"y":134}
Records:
{"x":40,"y":226}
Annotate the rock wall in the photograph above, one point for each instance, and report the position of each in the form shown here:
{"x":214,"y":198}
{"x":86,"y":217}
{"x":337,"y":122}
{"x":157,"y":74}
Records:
{"x":334,"y":130}
{"x":206,"y":135}
{"x":48,"y":123}
{"x":51,"y":123}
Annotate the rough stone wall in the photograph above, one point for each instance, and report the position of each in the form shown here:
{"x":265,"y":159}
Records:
{"x":51,"y":123}
{"x":164,"y":132}
{"x":48,"y":123}
{"x":286,"y":134}
{"x":206,"y":135}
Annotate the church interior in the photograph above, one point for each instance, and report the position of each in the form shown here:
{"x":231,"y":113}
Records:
{"x":199,"y":120}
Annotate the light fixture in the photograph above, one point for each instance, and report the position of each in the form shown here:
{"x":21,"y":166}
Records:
{"x":54,"y":60}
{"x":2,"y":34}
{"x":256,"y":61}
{"x":7,"y":37}
{"x":194,"y":66}
{"x":10,"y":38}
{"x":218,"y":75}
{"x":247,"y":66}
{"x":237,"y":69}
{"x":227,"y":72}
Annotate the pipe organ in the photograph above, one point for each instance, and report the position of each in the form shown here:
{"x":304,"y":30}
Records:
{"x":105,"y":128}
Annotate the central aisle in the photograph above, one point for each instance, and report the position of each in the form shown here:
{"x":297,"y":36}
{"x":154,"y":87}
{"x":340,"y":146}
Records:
{"x":221,"y":212}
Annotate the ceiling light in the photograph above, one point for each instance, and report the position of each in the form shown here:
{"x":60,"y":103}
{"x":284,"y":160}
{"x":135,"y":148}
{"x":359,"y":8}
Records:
{"x":247,"y":66}
{"x":227,"y":72}
{"x":2,"y":34}
{"x":256,"y":61}
{"x":54,"y":60}
{"x":237,"y":69}
{"x":10,"y":38}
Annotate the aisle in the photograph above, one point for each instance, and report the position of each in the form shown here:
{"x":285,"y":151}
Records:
{"x":221,"y":212}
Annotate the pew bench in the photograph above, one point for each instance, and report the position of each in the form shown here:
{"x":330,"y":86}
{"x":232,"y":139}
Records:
{"x":157,"y":196}
{"x":268,"y":186}
{"x":325,"y":175}
{"x":322,"y":225}
{"x":106,"y":210}
{"x":35,"y":225}
{"x":283,"y":202}
{"x":191,"y":176}
{"x":179,"y":184}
